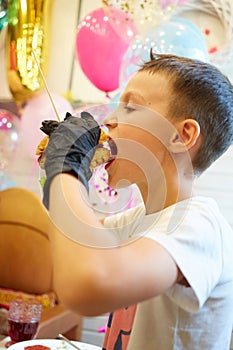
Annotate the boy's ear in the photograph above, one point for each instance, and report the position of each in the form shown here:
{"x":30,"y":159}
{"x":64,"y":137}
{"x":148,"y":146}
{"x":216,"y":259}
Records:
{"x":186,"y":137}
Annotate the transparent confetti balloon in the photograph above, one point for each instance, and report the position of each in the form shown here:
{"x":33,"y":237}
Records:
{"x":3,"y":14}
{"x":9,"y":136}
{"x":145,"y":13}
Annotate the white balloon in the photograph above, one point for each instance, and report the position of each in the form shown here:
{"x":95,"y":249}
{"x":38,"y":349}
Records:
{"x":39,"y":108}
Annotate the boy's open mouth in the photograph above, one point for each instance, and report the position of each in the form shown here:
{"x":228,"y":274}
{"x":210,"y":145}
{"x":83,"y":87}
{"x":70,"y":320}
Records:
{"x":111,"y":145}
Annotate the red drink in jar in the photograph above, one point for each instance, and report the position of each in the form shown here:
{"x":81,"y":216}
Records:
{"x":23,"y":320}
{"x":20,"y":331}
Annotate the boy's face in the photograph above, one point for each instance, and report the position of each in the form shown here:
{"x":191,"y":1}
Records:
{"x":141,"y":131}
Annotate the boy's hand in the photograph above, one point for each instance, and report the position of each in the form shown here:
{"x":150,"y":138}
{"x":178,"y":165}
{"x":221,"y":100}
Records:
{"x":48,"y":126}
{"x":70,"y":149}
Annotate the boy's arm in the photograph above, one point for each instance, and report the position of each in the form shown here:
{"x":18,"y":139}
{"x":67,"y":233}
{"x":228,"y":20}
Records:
{"x":93,"y":280}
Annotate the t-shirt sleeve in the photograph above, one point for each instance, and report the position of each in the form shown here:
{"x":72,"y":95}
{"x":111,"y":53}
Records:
{"x":196,"y":246}
{"x":125,"y":224}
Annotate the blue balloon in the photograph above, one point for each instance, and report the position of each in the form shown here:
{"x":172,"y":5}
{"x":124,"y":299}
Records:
{"x":191,"y":26}
{"x":177,"y":36}
{"x":5,"y":181}
{"x":116,"y":98}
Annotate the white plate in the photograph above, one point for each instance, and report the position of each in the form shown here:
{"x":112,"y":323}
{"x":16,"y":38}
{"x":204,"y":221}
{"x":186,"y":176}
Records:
{"x":54,"y":344}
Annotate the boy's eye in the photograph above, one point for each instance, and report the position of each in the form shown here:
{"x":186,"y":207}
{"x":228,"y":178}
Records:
{"x":129,"y":108}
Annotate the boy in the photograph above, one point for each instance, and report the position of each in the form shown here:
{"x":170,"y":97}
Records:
{"x":171,"y":278}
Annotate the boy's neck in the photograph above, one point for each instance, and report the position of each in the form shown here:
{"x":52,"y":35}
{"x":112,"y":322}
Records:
{"x":159,"y":195}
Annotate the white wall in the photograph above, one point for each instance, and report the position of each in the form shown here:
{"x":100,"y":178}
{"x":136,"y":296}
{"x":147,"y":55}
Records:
{"x":217,"y":182}
{"x":63,"y":51}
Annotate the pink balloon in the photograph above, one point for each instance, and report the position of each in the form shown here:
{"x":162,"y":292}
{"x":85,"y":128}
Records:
{"x":39,"y":108}
{"x":102,"y":38}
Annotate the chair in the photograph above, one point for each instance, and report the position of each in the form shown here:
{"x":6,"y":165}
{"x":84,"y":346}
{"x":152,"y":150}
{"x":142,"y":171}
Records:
{"x":25,"y":260}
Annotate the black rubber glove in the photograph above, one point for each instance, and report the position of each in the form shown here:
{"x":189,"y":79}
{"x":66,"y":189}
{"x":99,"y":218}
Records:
{"x":70,"y":150}
{"x":48,"y":126}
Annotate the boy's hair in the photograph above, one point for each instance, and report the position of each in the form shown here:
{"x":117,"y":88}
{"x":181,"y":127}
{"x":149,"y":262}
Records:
{"x":200,"y":92}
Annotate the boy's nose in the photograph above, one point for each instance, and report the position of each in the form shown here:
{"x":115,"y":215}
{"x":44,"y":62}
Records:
{"x":110,"y":121}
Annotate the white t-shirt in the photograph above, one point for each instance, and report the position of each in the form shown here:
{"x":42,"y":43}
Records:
{"x":199,"y":317}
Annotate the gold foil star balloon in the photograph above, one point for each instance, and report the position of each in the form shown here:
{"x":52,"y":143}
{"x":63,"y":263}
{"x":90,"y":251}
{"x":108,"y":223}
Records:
{"x":28,"y":31}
